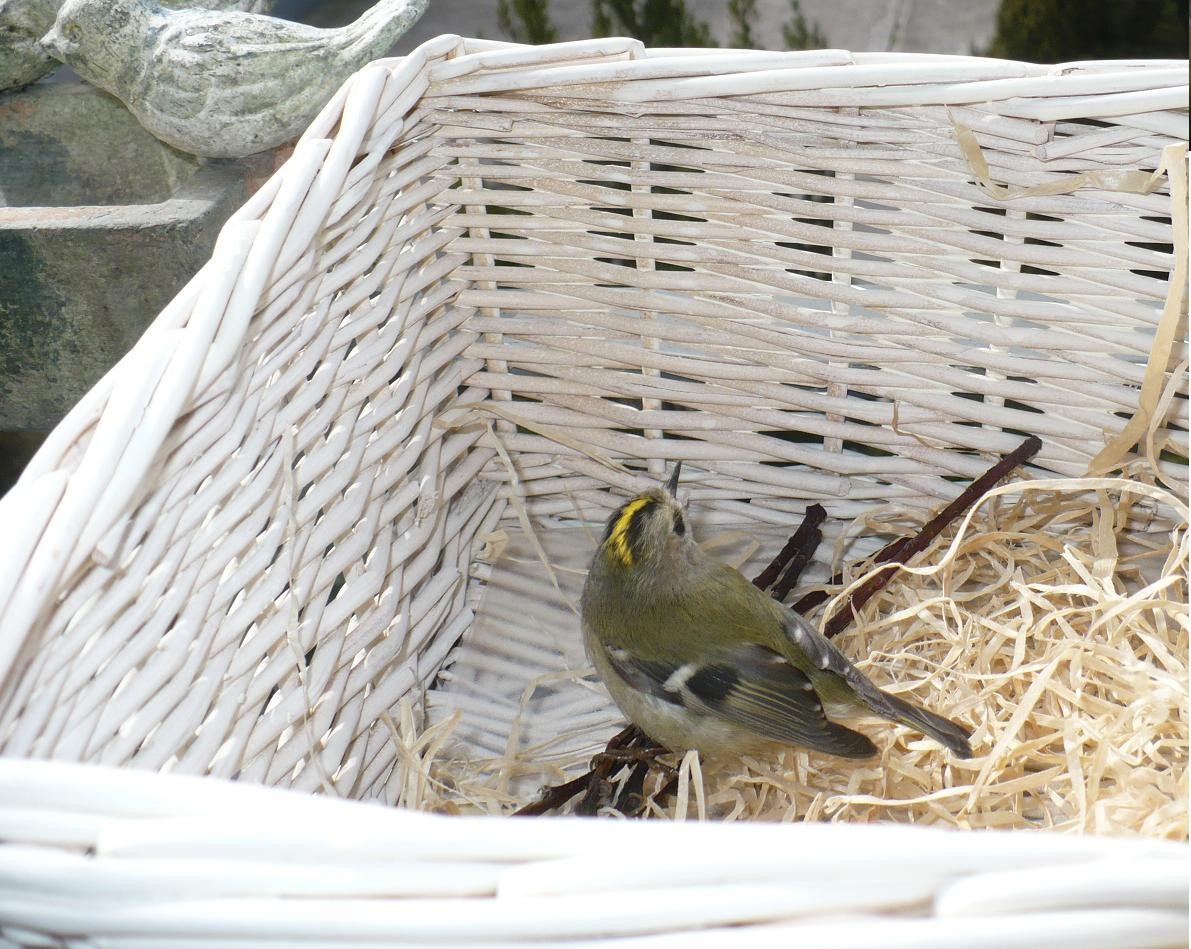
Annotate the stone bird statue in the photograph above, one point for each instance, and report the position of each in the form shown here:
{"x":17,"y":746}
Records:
{"x":220,"y":84}
{"x":24,"y":22}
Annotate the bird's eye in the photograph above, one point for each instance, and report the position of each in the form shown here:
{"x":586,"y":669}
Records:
{"x":679,"y":524}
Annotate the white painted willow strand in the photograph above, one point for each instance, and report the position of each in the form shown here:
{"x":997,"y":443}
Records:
{"x":467,"y":921}
{"x":156,"y":815}
{"x":1100,"y":929}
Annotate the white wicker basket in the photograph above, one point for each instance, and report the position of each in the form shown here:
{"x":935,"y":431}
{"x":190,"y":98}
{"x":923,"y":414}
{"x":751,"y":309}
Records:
{"x":252,"y":538}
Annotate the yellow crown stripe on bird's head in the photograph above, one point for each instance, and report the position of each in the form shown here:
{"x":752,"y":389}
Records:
{"x":617,"y":541}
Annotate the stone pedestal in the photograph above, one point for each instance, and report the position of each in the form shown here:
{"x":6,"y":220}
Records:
{"x":100,"y":226}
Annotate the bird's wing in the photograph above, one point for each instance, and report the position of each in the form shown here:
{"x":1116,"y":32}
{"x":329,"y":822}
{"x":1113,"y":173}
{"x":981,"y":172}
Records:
{"x":241,"y":34}
{"x":196,"y":68}
{"x":750,"y":686}
{"x":188,"y":89}
{"x":240,"y":51}
{"x":824,"y":655}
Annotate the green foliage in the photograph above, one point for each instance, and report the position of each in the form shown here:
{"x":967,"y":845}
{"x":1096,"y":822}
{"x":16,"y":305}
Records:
{"x":653,"y":22}
{"x":656,"y":23}
{"x":798,"y":34}
{"x":742,"y":13}
{"x":1056,"y":31}
{"x":526,"y":21}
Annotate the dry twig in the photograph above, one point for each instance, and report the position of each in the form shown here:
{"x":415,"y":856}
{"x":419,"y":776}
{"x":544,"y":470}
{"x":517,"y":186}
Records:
{"x":900,"y":551}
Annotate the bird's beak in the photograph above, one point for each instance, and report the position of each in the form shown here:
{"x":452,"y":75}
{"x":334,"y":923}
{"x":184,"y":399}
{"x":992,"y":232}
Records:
{"x":672,"y":484}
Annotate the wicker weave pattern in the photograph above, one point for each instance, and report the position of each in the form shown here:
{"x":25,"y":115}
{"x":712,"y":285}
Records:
{"x":252,"y":537}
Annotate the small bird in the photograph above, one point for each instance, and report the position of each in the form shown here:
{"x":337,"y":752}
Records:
{"x":219,"y":83}
{"x":697,"y":657}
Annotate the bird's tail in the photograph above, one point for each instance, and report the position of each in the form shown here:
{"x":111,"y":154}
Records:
{"x":941,"y":729}
{"x":382,"y":24}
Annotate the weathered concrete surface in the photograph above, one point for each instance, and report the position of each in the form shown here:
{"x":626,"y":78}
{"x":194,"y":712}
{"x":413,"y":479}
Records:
{"x":22,"y":57}
{"x":100,"y":226}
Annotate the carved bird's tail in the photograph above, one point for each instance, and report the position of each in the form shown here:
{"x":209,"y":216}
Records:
{"x":373,"y":34}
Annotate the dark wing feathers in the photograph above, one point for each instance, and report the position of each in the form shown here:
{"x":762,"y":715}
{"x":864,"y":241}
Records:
{"x":823,"y":653}
{"x":941,"y":729}
{"x":820,"y":650}
{"x":753,"y":687}
{"x":817,"y":647}
{"x":645,"y":675}
{"x":780,"y":703}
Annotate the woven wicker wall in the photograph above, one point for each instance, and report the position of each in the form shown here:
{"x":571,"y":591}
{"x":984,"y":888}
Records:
{"x":253,"y":537}
{"x":810,"y":292}
{"x":304,"y":532}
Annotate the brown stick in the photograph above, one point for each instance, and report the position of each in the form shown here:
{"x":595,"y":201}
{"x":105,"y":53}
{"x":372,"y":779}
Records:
{"x":901,"y":551}
{"x":808,"y":601}
{"x":632,"y":795}
{"x":807,"y":539}
{"x":810,"y":522}
{"x":552,"y":797}
{"x":597,"y":780}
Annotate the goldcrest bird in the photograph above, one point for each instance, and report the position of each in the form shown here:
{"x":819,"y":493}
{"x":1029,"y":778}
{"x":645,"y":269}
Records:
{"x":697,"y":657}
{"x":219,"y":83}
